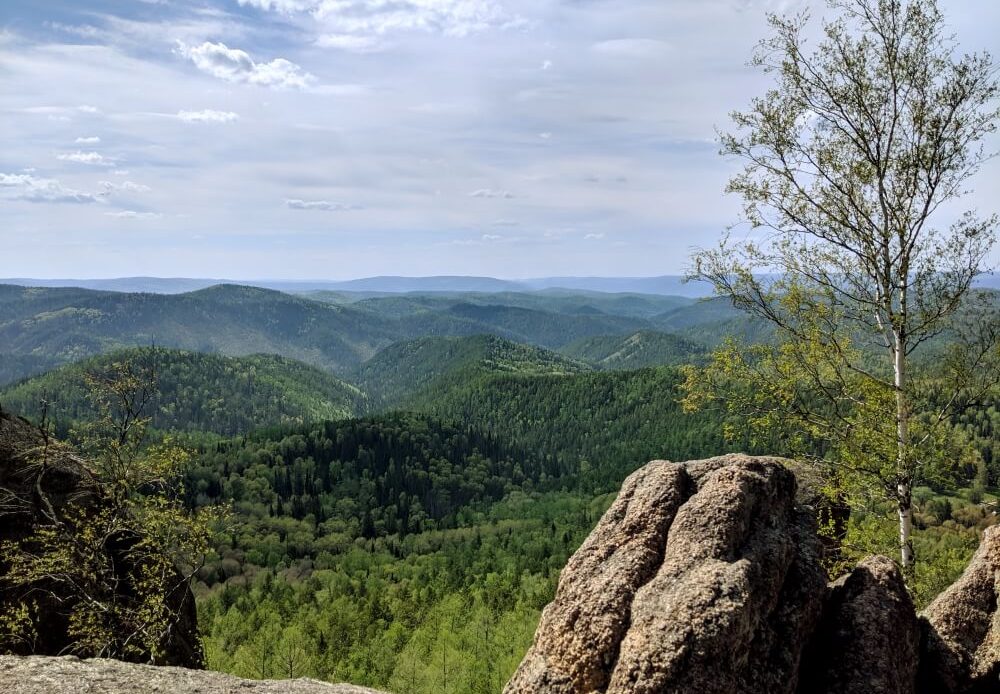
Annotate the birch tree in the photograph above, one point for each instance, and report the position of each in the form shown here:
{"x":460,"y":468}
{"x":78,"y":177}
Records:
{"x":854,"y":166}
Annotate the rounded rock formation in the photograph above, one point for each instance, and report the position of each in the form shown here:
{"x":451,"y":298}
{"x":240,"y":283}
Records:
{"x":707,"y":577}
{"x":703,"y":577}
{"x":961,"y":640}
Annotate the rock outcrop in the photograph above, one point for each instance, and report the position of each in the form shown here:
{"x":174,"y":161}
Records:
{"x":33,"y":492}
{"x":70,"y":675}
{"x":868,"y":639}
{"x":961,"y":649}
{"x":707,"y":577}
{"x":579,"y":635}
{"x":700,"y":577}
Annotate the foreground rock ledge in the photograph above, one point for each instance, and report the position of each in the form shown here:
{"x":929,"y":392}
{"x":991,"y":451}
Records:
{"x":707,"y":577}
{"x":70,"y":675}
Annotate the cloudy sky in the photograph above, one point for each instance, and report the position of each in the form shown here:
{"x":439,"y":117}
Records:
{"x":347,"y":138}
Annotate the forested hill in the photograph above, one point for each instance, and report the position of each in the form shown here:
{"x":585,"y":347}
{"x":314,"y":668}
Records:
{"x":396,"y":543}
{"x":44,"y":327}
{"x":197,"y":392}
{"x":711,"y":321}
{"x":550,"y":300}
{"x":635,"y":351}
{"x":379,"y":549}
{"x":430,"y":365}
{"x":597,"y":426}
{"x":65,"y":325}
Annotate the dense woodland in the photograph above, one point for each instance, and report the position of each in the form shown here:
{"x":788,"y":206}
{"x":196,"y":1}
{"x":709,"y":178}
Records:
{"x":197,"y":392}
{"x":401,"y":525}
{"x":41,"y":327}
{"x":444,"y":541}
{"x":636,"y":351}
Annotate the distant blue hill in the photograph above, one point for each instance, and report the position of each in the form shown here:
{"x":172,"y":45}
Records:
{"x":670,"y":285}
{"x":666,"y":285}
{"x":151,"y":285}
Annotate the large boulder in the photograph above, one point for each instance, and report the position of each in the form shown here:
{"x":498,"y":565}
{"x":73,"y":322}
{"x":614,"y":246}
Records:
{"x":961,"y":639}
{"x":43,"y":483}
{"x":868,"y":639}
{"x":707,"y":577}
{"x":701,"y":577}
{"x":577,"y":641}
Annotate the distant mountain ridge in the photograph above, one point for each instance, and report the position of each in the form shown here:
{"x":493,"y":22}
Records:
{"x":663,"y":285}
{"x":41,"y":327}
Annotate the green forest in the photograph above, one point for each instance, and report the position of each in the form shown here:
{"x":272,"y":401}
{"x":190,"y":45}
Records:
{"x":401,"y":522}
{"x":475,"y":346}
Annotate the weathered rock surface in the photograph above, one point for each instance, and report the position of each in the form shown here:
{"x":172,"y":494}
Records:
{"x":63,"y":486}
{"x":707,"y":576}
{"x":69,"y":675}
{"x":961,"y":648}
{"x":578,"y":636}
{"x":702,"y":577}
{"x":868,"y":640}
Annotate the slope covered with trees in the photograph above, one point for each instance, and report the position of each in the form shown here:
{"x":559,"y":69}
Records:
{"x":548,"y":300}
{"x":397,"y":551}
{"x":405,"y":552}
{"x":71,"y":324}
{"x":595,"y":426}
{"x":431,"y":365}
{"x":635,"y":351}
{"x":44,"y":327}
{"x":196,"y":392}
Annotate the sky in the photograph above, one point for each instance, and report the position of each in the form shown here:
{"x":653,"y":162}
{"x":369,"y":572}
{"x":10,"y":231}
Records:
{"x":334,"y":139}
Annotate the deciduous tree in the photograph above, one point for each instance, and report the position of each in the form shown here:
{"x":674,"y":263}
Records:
{"x":855,"y":163}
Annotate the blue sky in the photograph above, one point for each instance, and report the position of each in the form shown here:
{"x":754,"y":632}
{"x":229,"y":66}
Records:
{"x":347,"y":138}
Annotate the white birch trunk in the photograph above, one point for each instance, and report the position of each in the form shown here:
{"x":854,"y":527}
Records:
{"x":904,"y":491}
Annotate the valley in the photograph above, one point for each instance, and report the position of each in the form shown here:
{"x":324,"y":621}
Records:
{"x":405,"y":474}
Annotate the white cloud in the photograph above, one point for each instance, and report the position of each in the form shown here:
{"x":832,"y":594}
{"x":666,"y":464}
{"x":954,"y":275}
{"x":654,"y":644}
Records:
{"x":89,"y":158}
{"x":87,"y":141}
{"x":340,"y":89}
{"x":124,"y":187}
{"x":208,"y":116}
{"x":593,"y":237}
{"x":86,"y":31}
{"x":324,"y":205}
{"x":491,"y":193}
{"x":546,"y":64}
{"x":235,"y":65}
{"x":545,"y":136}
{"x":132,"y":214}
{"x":492,"y":237}
{"x":60,"y":113}
{"x":32,"y":189}
{"x":284,"y":6}
{"x":449,"y":17}
{"x":379,"y":17}
{"x":120,"y":172}
{"x":632,"y":48}
{"x":351,"y":43}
